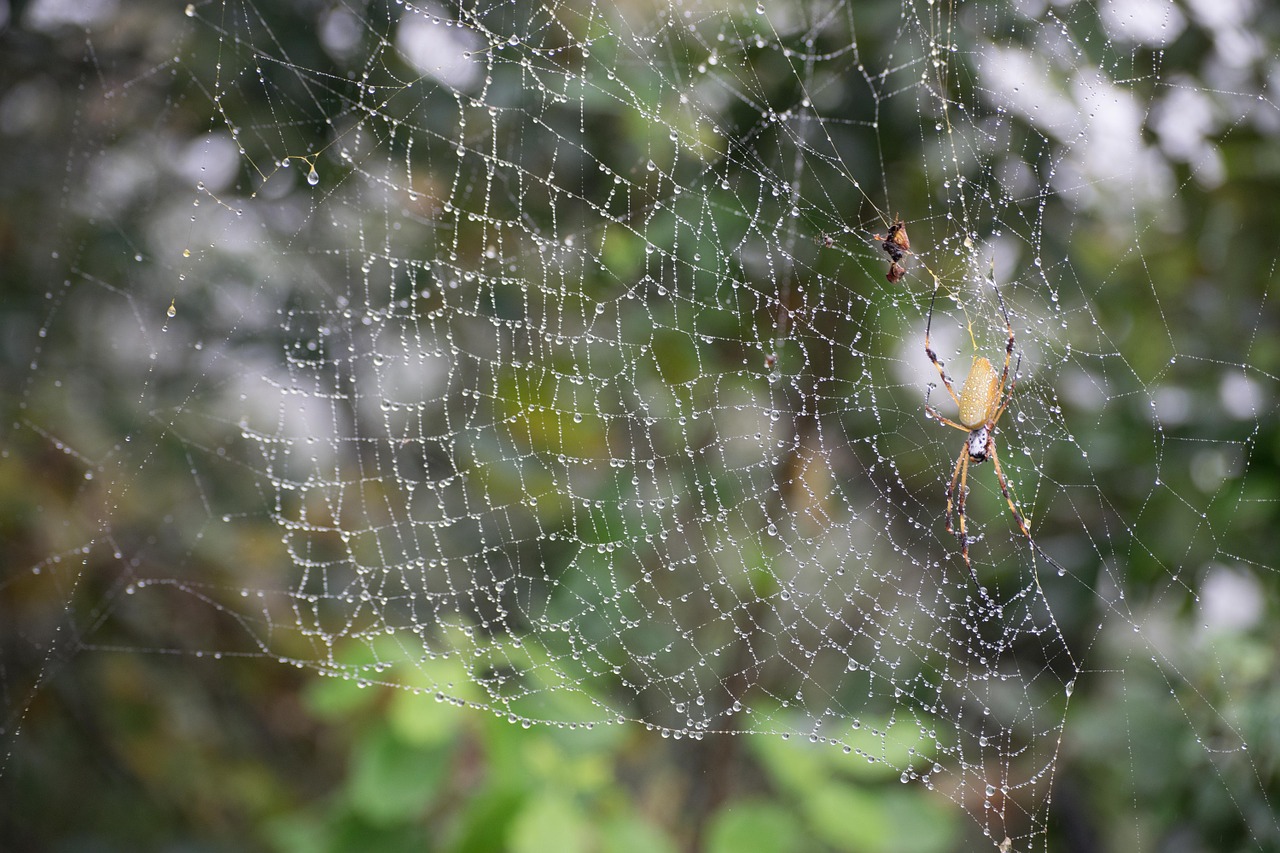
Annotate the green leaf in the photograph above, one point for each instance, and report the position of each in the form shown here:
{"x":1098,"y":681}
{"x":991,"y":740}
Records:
{"x":487,"y":820}
{"x":550,"y":821}
{"x":333,"y":697}
{"x":747,"y":827}
{"x":632,"y":835}
{"x":391,"y":780}
{"x":797,"y":768}
{"x":850,"y":818}
{"x":882,"y":819}
{"x":926,"y":822}
{"x":419,"y":720}
{"x":298,"y":833}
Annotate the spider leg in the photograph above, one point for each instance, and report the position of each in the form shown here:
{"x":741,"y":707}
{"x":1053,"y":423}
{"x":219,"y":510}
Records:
{"x":951,"y":487}
{"x":1008,"y":347}
{"x":1004,"y":490}
{"x":1008,"y":397}
{"x":1008,"y":351}
{"x":933,"y":413}
{"x":933,"y":356}
{"x":1023,"y":525}
{"x":961,"y":496}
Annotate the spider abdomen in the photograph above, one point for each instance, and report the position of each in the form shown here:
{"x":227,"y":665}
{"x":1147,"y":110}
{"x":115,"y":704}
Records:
{"x":980,"y":395}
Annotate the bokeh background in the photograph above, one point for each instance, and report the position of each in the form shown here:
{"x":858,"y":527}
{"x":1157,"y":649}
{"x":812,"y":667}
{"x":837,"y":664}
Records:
{"x":167,"y":724}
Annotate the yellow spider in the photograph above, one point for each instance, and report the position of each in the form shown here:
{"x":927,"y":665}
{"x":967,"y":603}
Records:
{"x":982,"y":401}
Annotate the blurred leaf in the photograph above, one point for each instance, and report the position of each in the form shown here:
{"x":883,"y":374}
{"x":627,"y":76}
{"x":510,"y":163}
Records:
{"x":550,"y":821}
{"x":332,"y":698}
{"x":421,"y":721}
{"x":804,"y":767}
{"x":851,"y":818}
{"x":796,"y":768}
{"x":487,"y":820}
{"x":633,"y":835}
{"x":298,"y":833}
{"x":746,"y":827}
{"x":676,"y":356}
{"x":336,"y":832}
{"x":932,"y":822}
{"x":392,"y":780}
{"x":354,"y":834}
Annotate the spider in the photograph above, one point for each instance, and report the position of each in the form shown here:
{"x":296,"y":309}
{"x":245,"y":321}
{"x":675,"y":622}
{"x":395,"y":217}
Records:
{"x":982,"y":401}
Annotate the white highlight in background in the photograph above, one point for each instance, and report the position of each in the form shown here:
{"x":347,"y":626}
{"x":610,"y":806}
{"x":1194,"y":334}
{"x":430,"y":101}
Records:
{"x":439,"y":48}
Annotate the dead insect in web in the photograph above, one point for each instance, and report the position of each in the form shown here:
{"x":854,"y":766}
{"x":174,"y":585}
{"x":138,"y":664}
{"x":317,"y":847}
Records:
{"x":895,"y":244}
{"x":896,"y":272}
{"x":770,"y":360}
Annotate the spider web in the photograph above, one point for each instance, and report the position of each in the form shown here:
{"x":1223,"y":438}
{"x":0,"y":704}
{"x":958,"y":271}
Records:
{"x":540,"y":357}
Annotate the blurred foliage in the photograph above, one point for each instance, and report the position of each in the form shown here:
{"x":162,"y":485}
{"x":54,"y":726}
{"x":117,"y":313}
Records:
{"x":126,"y":742}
